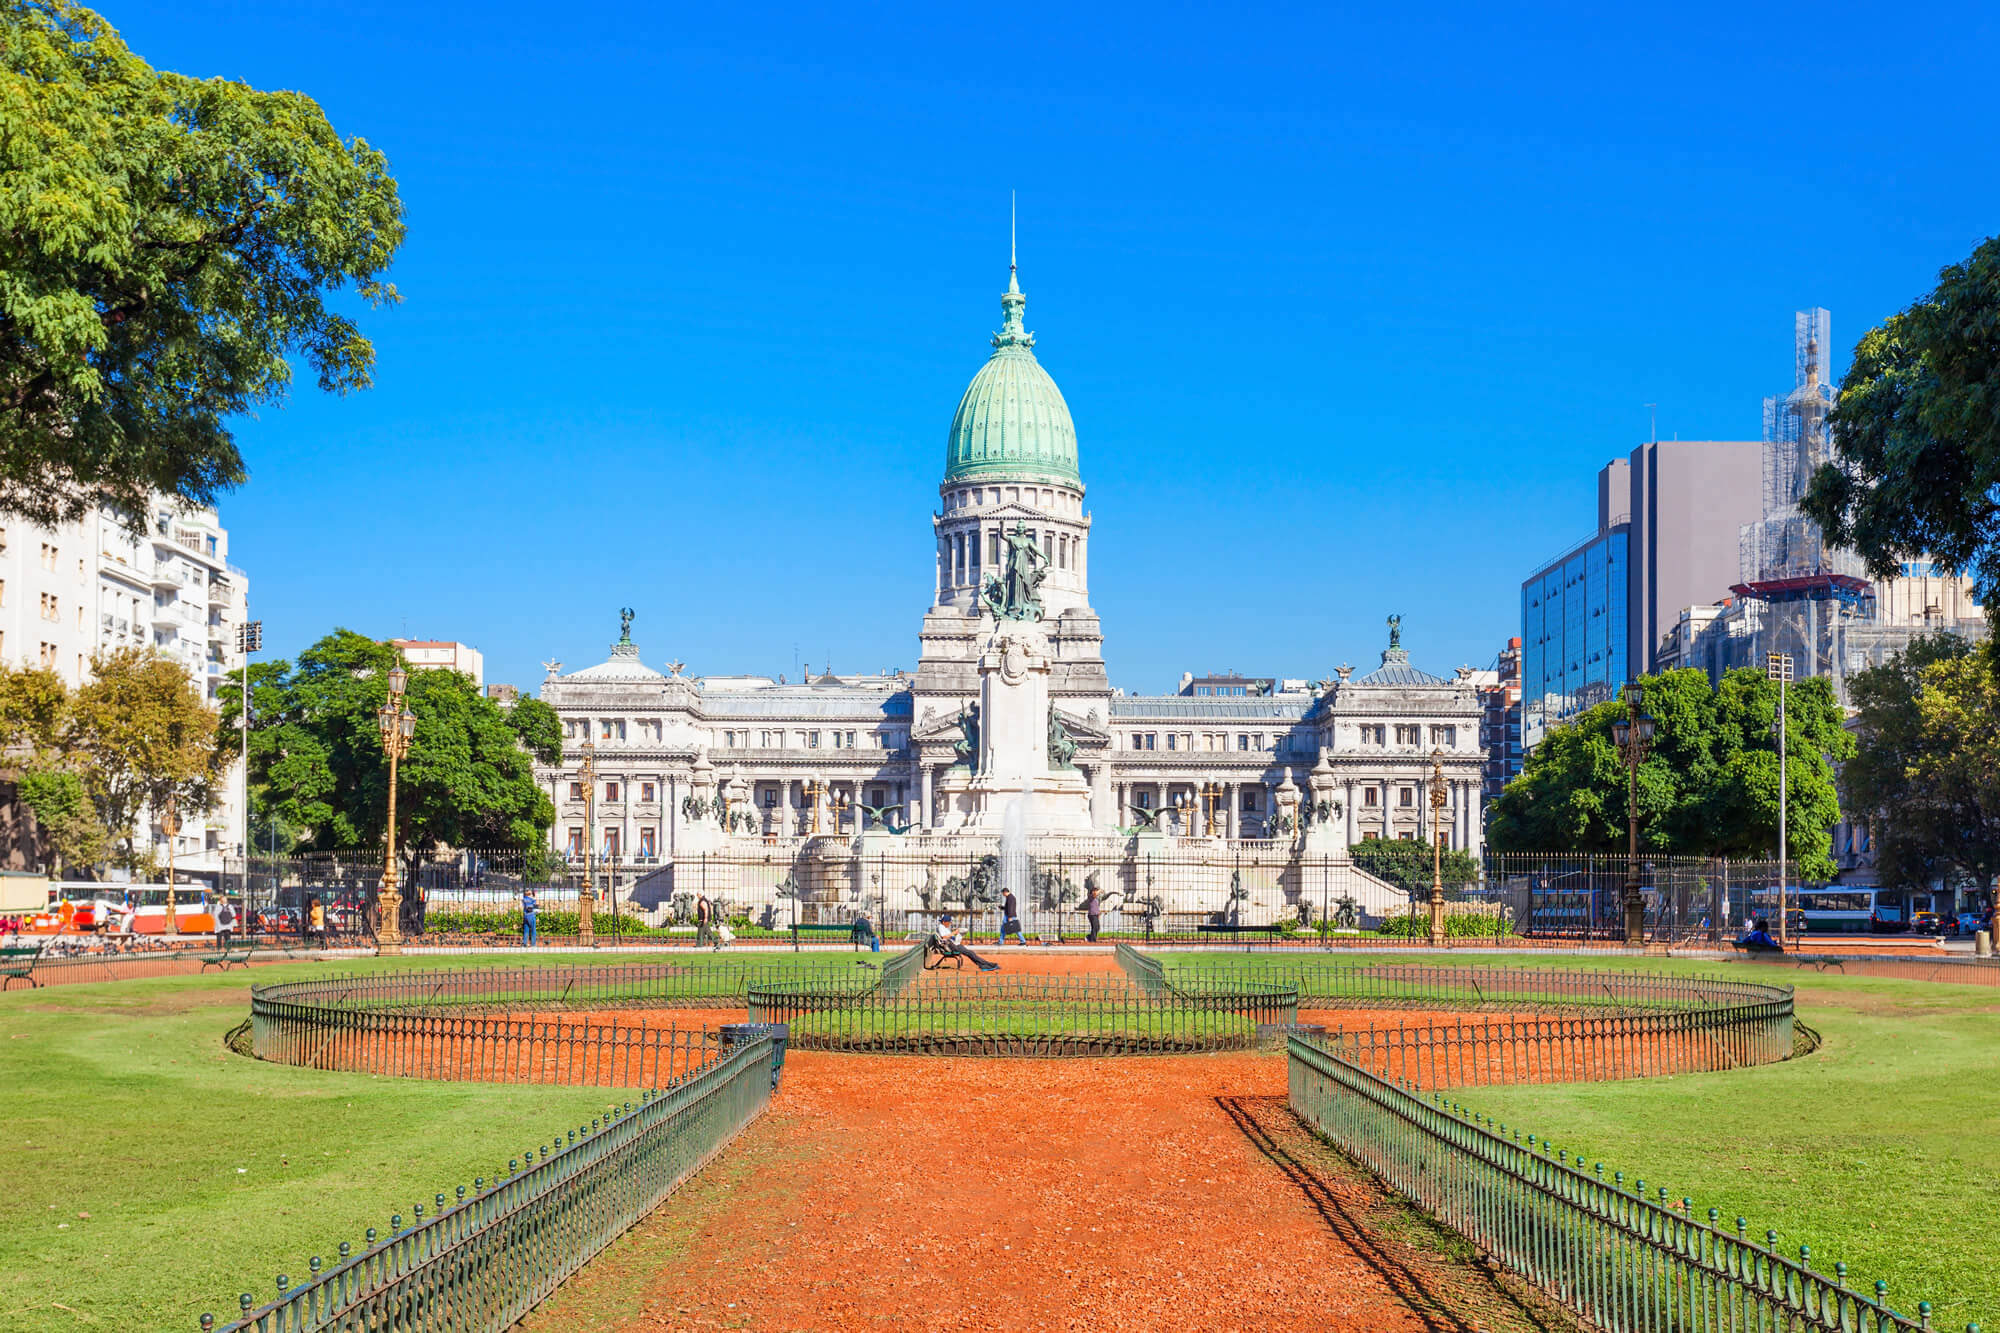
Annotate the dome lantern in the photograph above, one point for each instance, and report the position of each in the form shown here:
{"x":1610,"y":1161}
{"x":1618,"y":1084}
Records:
{"x":1012,"y":422}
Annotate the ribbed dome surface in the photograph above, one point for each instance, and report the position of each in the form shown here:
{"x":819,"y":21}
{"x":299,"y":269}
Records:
{"x":1012,"y":420}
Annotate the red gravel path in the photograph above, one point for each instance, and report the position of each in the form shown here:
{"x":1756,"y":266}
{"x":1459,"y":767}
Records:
{"x":1169,"y":1192}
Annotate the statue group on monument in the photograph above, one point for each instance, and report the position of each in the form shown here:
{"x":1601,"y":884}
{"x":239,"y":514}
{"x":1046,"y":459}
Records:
{"x":1016,"y":594}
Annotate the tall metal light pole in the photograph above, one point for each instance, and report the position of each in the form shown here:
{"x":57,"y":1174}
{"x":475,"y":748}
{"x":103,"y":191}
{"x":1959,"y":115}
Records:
{"x":397,"y":724}
{"x":1778,"y":666}
{"x":170,"y":824}
{"x":1632,"y":734}
{"x":249,"y":638}
{"x":1438,"y":799}
{"x":586,"y":900}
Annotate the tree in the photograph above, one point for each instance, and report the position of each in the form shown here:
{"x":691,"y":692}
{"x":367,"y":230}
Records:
{"x":1927,"y":772}
{"x":317,"y":763}
{"x":165,"y":243}
{"x":1916,"y":434}
{"x":65,"y":818}
{"x":1406,"y":863}
{"x":146,"y":739}
{"x":1709,"y":782}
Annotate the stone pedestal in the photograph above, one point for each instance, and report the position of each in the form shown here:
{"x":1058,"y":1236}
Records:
{"x":1013,"y":762}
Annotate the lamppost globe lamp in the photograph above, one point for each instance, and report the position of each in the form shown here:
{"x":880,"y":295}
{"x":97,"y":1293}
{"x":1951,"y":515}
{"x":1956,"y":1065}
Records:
{"x":397,"y":725}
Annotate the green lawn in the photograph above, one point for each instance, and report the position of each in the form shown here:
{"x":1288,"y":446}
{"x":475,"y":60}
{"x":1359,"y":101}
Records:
{"x":151,"y":1175}
{"x":1878,"y":1151}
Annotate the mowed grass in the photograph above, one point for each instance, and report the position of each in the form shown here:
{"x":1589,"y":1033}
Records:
{"x":152,"y":1175}
{"x":1877,"y":1151}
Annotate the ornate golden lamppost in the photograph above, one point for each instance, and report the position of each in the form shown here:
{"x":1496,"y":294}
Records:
{"x":813,"y":790}
{"x":170,"y":824}
{"x":1632,"y":733}
{"x":1439,"y":798}
{"x":1213,"y":795}
{"x":586,"y":900}
{"x":397,"y":724}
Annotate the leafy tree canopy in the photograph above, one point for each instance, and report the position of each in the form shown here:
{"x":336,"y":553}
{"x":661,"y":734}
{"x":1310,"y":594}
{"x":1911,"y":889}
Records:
{"x":1406,"y":863}
{"x":94,"y":759}
{"x":317,"y":762}
{"x":146,"y":738}
{"x":1916,"y":433}
{"x":165,"y":243}
{"x":1929,"y":762}
{"x":1709,"y":783}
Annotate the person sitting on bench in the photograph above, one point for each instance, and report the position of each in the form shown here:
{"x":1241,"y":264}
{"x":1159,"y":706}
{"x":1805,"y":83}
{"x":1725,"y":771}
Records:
{"x":953,"y":943}
{"x":1760,"y":938}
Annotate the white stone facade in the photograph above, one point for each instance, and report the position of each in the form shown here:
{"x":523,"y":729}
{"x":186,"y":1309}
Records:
{"x":791,"y":759}
{"x":101,"y":584}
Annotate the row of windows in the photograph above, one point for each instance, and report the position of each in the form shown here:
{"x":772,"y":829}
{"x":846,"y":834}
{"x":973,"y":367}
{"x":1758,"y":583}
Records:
{"x":960,"y":553}
{"x":776,"y":739}
{"x":976,"y":496}
{"x":648,"y":791}
{"x":1214,"y":741}
{"x":1376,"y":733}
{"x":1249,"y":805}
{"x":610,"y":844}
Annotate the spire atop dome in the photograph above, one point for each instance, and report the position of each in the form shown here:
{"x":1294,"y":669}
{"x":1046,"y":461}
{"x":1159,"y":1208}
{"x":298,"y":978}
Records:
{"x":1012,"y":421}
{"x":1013,"y":238}
{"x":1013,"y":304}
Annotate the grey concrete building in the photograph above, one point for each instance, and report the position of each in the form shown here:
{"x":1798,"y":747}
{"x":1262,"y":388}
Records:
{"x":1689,"y":501}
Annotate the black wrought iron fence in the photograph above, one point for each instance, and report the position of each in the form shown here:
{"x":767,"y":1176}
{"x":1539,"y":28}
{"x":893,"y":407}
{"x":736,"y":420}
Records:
{"x":1618,"y":1258}
{"x":1191,"y":890}
{"x":1026,"y":1015}
{"x":488,"y":1255}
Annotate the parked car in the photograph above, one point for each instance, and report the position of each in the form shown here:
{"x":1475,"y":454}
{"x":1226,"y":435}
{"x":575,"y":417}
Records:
{"x":278,"y":920}
{"x":1971,"y":923}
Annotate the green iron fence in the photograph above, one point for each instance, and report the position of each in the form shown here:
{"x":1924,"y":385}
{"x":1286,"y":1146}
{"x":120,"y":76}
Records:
{"x":471,"y":1025}
{"x":1619,"y":1259}
{"x":1513,"y":1049}
{"x":900,"y":971}
{"x":485,"y":1258}
{"x":1476,"y":986}
{"x":1030,"y":1016}
{"x":1145,"y":972}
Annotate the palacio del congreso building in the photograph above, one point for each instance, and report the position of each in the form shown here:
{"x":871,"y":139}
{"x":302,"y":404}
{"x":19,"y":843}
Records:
{"x":1007,"y":758}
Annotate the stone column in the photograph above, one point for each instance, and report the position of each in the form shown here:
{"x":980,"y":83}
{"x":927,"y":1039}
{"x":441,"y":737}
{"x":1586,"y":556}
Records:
{"x":1347,"y":812}
{"x":924,"y":818}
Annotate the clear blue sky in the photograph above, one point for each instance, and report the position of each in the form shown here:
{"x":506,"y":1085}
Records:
{"x":1349,"y":308}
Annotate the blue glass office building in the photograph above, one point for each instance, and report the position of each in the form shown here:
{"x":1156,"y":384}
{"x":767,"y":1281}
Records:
{"x":1574,"y":614}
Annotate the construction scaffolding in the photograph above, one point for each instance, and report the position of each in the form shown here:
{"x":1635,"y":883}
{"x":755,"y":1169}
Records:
{"x":1800,"y":595}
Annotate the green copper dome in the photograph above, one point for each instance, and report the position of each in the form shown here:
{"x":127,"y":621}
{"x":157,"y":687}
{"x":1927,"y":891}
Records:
{"x":1013,"y":421}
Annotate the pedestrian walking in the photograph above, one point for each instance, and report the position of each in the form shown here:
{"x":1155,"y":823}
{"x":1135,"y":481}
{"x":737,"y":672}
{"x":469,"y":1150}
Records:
{"x":316,"y":923}
{"x":1010,"y":918}
{"x":704,"y":923}
{"x":1093,"y":909}
{"x":225,"y":923}
{"x":528,"y":908}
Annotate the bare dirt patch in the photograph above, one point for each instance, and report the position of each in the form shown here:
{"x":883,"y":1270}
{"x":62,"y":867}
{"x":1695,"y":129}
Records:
{"x":1169,"y":1192}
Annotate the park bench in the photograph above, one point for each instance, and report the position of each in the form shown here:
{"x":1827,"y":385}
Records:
{"x":236,"y":955}
{"x":936,"y":955}
{"x":1273,"y":930}
{"x":852,"y":929}
{"x":18,"y":960}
